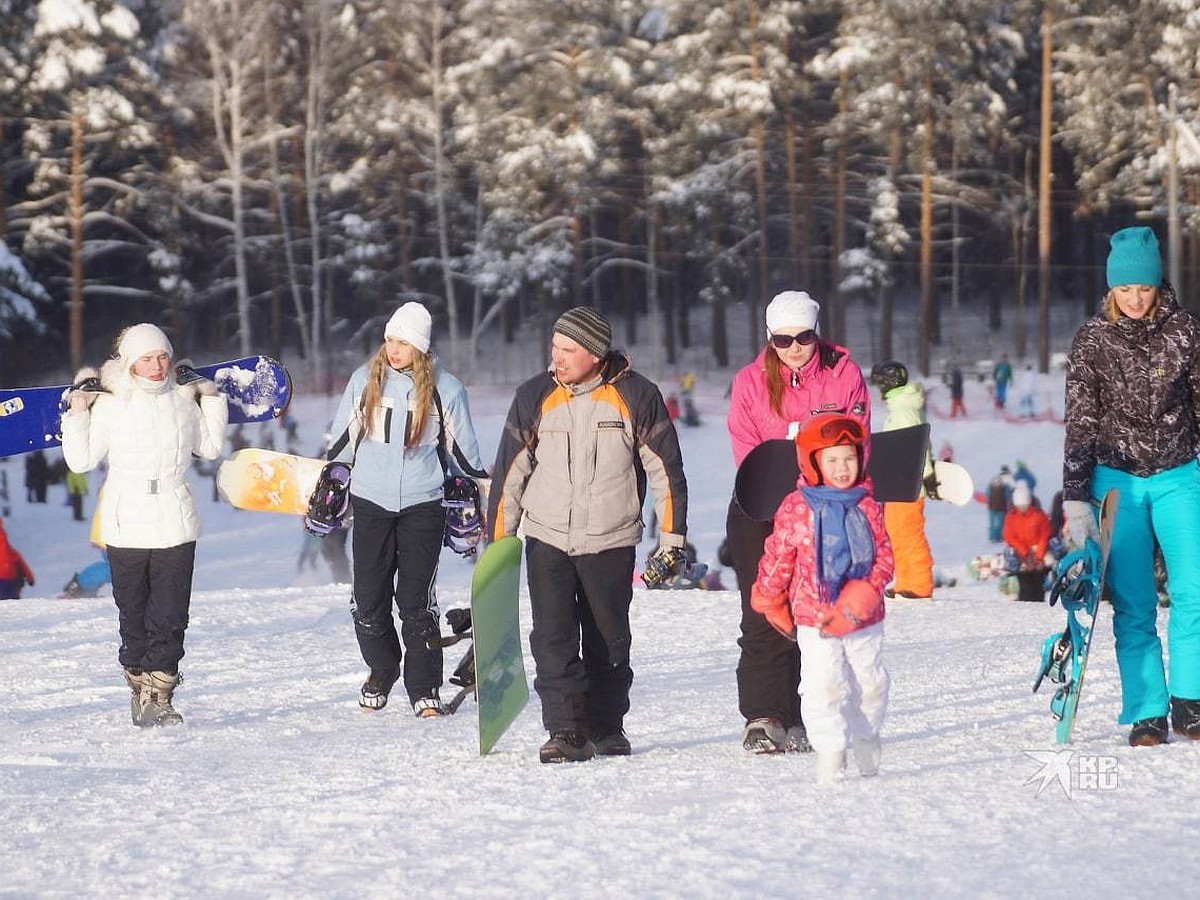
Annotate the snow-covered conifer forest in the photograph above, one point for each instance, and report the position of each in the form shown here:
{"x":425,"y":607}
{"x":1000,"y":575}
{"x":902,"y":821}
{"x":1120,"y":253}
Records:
{"x":275,"y":175}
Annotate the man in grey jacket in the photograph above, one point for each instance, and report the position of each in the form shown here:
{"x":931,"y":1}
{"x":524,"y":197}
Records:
{"x":582,"y":443}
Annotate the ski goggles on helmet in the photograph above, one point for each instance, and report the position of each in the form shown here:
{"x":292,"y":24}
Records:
{"x":842,"y":430}
{"x":783,"y":341}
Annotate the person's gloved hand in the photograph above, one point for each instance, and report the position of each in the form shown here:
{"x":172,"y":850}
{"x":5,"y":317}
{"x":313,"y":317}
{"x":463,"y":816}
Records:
{"x":930,"y":483}
{"x":663,"y":565}
{"x":185,"y":373}
{"x":84,"y":390}
{"x":775,"y":609}
{"x":1080,"y":517}
{"x":856,"y":604}
{"x":1049,"y":561}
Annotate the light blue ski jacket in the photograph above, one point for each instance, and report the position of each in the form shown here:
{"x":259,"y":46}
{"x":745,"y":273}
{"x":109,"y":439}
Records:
{"x":384,"y":471}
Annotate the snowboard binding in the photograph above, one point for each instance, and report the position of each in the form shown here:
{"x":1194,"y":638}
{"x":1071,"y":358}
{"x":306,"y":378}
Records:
{"x":1077,"y":585}
{"x":330,"y":500}
{"x":464,"y":515}
{"x":185,"y":373}
{"x":464,"y":673}
{"x":673,"y":568}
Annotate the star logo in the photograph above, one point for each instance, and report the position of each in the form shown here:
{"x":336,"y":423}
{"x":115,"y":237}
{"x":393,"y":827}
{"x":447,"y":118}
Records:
{"x":1055,"y":767}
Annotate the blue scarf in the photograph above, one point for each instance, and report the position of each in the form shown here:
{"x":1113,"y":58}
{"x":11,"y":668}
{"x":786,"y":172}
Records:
{"x":841,"y":535}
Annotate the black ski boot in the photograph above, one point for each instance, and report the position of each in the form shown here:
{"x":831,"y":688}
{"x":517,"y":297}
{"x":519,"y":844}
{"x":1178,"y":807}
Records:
{"x":615,"y":743}
{"x":1185,"y":717}
{"x":375,"y":690}
{"x":1148,"y":732}
{"x":566,"y":745}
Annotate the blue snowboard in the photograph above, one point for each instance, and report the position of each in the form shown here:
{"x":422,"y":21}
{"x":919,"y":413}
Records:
{"x":1080,"y":586}
{"x":257,"y":389}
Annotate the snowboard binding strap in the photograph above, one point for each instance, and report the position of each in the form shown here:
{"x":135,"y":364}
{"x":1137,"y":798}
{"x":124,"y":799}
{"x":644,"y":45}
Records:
{"x":330,"y":500}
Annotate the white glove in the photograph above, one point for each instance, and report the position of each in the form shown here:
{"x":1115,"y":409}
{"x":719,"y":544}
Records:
{"x":1081,"y":521}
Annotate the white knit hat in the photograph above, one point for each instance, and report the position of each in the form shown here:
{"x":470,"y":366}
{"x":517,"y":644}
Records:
{"x":411,"y":323}
{"x":792,"y":309}
{"x":1022,"y":496}
{"x":138,"y":340}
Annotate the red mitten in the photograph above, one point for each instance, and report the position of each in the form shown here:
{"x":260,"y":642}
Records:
{"x":775,"y":609}
{"x":856,"y":604}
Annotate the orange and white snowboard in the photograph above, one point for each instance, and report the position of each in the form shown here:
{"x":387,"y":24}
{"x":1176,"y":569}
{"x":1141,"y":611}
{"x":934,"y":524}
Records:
{"x":268,"y":481}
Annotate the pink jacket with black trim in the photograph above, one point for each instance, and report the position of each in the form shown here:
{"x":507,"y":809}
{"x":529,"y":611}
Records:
{"x":829,"y":382}
{"x":789,"y":562}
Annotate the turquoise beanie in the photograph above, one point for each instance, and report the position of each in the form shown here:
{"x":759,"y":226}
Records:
{"x":1134,"y":258}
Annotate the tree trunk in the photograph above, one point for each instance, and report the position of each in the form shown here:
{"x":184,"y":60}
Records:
{"x":760,"y":190}
{"x":927,"y":312}
{"x":440,"y":185}
{"x":75,"y":304}
{"x":793,"y":196}
{"x":654,"y":313}
{"x":838,"y":243}
{"x":314,"y":115}
{"x":280,"y":207}
{"x":760,"y":195}
{"x":1044,"y":166}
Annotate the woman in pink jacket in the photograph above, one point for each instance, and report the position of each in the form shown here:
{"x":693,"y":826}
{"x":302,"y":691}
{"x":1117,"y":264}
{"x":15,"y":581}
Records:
{"x":796,"y":376}
{"x":820,"y":583}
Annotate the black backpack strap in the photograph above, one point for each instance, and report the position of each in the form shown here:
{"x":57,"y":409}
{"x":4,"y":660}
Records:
{"x":443,"y":455}
{"x":445,"y":451}
{"x":344,"y":438}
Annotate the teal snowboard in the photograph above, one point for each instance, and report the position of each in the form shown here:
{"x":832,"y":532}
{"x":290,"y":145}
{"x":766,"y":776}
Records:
{"x":501,"y":689}
{"x":1080,"y":586}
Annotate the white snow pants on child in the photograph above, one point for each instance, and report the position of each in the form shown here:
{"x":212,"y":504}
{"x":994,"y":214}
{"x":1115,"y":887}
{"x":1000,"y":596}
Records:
{"x":843,"y":686}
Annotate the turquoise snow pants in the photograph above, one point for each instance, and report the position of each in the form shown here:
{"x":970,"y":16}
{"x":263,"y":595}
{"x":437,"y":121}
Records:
{"x":1165,"y":506}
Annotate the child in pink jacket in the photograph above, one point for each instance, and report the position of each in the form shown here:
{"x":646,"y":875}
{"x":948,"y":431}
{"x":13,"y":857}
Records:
{"x":820,"y":581}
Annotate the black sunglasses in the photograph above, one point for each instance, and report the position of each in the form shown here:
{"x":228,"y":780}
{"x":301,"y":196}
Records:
{"x":783,"y":341}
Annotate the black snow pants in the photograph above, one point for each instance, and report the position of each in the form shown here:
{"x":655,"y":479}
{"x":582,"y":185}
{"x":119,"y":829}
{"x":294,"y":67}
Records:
{"x":768,"y":671}
{"x":581,"y":602}
{"x":153,"y":591}
{"x":396,"y":560}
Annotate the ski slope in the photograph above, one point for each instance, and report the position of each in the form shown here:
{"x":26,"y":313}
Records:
{"x":277,"y":784}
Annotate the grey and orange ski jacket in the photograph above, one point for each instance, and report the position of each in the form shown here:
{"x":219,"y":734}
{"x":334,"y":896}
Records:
{"x":575,"y":462}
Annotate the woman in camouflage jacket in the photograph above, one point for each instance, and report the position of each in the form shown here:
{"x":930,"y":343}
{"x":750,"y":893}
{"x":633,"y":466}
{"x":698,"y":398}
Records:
{"x":1133,"y":395}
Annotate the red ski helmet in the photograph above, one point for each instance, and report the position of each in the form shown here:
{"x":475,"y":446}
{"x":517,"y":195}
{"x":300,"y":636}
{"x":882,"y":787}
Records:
{"x":827,"y":430}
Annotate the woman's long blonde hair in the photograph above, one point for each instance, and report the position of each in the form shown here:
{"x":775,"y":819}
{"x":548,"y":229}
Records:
{"x":422,"y":376}
{"x":1112,"y":312}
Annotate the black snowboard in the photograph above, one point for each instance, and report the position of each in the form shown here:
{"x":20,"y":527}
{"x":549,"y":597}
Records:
{"x":769,"y":472}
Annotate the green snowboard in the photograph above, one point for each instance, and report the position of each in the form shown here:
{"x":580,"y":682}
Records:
{"x":501,"y":689}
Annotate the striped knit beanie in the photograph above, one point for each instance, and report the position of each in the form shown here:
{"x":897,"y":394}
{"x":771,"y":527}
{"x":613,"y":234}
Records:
{"x":587,"y":328}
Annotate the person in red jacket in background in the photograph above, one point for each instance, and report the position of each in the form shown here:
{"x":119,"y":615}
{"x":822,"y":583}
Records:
{"x":1027,"y":532}
{"x":14,"y":571}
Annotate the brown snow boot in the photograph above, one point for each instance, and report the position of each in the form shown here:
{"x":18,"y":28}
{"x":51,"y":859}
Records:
{"x":156,"y":700}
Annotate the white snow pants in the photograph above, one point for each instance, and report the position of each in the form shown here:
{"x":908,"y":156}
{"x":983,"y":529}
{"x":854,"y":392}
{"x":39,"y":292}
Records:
{"x":843,"y":686}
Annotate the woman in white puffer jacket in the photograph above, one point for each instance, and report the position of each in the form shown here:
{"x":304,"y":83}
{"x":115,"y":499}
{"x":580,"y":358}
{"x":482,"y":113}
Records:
{"x":148,"y":427}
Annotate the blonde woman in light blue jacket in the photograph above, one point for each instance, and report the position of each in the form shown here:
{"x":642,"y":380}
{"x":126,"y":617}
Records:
{"x":403,"y":425}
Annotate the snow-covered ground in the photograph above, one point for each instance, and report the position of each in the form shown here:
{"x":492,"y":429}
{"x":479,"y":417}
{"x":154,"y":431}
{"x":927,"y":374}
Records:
{"x":277,"y":784}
